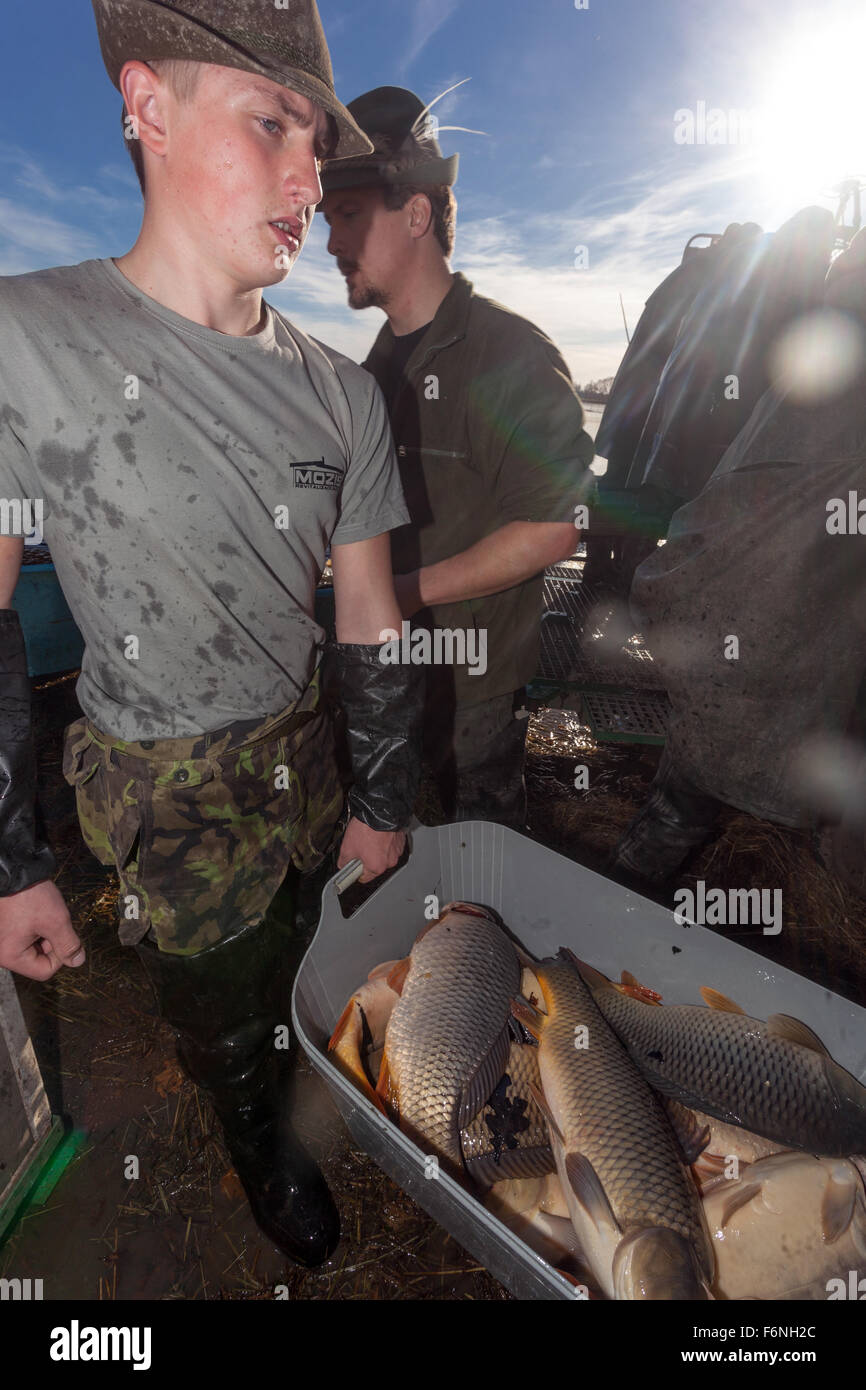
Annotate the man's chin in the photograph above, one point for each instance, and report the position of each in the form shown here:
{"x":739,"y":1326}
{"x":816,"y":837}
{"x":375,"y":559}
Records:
{"x":276,"y":274}
{"x":366,"y":297}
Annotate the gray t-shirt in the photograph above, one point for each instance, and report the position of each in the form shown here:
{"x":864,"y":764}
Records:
{"x":191,"y":482}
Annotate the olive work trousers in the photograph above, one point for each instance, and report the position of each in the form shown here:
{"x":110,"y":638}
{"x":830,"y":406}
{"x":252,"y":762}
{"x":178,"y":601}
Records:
{"x":474,"y":757}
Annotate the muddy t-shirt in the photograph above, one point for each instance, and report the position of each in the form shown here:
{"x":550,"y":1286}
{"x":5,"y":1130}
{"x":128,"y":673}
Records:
{"x":190,"y":484}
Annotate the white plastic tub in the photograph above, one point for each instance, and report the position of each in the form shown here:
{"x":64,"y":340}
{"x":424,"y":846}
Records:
{"x":547,"y":902}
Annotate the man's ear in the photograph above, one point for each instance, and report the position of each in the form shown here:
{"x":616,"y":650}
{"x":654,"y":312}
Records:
{"x":420,"y":214}
{"x":144,"y":96}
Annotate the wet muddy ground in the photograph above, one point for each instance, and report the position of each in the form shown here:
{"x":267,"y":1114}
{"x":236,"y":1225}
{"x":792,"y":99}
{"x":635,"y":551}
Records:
{"x":182,"y":1229}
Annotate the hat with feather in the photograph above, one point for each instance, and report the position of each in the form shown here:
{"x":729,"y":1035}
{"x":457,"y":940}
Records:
{"x":405,"y":148}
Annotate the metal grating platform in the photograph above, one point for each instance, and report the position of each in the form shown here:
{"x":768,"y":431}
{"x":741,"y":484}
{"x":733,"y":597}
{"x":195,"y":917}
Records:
{"x":569,"y":569}
{"x":623,"y":716}
{"x":591,"y":644}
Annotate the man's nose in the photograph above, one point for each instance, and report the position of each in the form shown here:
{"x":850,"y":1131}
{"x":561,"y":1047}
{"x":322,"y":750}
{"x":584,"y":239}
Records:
{"x":303,"y":179}
{"x":334,"y":242}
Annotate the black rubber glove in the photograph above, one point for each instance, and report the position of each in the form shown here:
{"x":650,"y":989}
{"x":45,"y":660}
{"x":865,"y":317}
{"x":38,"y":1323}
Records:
{"x":384,"y":706}
{"x":24,"y":860}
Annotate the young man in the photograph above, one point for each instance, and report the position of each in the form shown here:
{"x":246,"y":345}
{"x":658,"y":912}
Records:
{"x":492,"y":450}
{"x":195,"y":454}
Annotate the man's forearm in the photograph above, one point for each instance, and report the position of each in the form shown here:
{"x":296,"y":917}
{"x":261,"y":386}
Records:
{"x":383,"y":704}
{"x":509,"y":556}
{"x":383,"y":707}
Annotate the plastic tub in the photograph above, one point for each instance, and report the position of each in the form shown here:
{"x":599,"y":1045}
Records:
{"x":547,"y":901}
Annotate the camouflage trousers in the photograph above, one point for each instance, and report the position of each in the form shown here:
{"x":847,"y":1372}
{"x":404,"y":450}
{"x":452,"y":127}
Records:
{"x":203,"y":830}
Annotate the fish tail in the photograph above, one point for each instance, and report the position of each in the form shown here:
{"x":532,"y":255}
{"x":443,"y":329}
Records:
{"x":532,"y":1019}
{"x":387,"y":1093}
{"x":342,"y":1025}
{"x":344,"y":1042}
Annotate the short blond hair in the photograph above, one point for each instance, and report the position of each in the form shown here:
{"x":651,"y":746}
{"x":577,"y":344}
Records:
{"x":181,"y":76}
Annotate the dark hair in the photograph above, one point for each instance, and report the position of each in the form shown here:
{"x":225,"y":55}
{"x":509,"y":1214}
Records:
{"x":182,"y":76}
{"x":443,"y":205}
{"x":402,"y":158}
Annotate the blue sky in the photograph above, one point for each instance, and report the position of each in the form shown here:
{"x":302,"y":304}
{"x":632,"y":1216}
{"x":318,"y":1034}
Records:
{"x":581,"y":151}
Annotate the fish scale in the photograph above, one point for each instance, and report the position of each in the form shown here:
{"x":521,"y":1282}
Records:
{"x":447,"y":1038}
{"x":606,"y":1112}
{"x":734,"y":1068}
{"x":607,"y":1091}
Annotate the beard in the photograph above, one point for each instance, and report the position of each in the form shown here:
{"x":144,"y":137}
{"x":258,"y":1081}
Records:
{"x":367,"y":297}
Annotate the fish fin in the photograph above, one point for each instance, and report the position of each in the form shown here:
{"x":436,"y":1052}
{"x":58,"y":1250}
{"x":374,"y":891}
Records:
{"x":484,"y":1080}
{"x":517,"y":1033}
{"x":538,"y":1097}
{"x":342,"y":1024}
{"x":384,"y":969}
{"x":527,"y":961}
{"x":471,"y":910}
{"x":397,"y":977}
{"x":837,"y":1207}
{"x":530,"y":1018}
{"x":586,"y":1186}
{"x":386,"y":1090}
{"x":588,"y":973}
{"x":530,"y":988}
{"x":795,"y":1031}
{"x":709,"y":1171}
{"x":739,"y":1199}
{"x":632,"y":987}
{"x":692,"y":1136}
{"x":714,"y":1000}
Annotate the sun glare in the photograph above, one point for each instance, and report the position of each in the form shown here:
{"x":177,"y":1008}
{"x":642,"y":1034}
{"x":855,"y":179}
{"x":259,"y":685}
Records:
{"x":811,"y":130}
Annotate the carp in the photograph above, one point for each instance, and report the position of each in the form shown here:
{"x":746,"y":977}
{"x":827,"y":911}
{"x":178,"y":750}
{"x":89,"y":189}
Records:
{"x":776,"y":1079}
{"x":447,"y":1040}
{"x":634,"y":1207}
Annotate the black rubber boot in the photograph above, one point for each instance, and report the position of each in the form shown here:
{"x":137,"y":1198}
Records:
{"x":225,"y":1003}
{"x":676,"y":819}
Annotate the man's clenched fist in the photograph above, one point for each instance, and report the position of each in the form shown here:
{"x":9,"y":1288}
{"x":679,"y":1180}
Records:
{"x":36,"y":933}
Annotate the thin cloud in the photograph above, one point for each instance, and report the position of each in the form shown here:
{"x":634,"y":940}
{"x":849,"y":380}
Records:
{"x":427,"y":20}
{"x":31,"y":177}
{"x":42,"y":236}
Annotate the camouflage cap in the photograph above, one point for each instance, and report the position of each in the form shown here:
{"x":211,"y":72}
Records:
{"x":285,"y":44}
{"x":395,"y":120}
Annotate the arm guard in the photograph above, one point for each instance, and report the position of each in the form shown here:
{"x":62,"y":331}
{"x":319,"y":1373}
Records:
{"x":24,"y":860}
{"x":384,"y":706}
